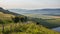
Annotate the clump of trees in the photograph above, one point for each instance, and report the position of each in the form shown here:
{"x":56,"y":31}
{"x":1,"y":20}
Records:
{"x":19,"y":19}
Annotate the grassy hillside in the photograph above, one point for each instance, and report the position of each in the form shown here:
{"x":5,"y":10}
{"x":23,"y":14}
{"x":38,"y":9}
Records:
{"x":26,"y":28}
{"x":12,"y":23}
{"x":21,"y":27}
{"x":6,"y":17}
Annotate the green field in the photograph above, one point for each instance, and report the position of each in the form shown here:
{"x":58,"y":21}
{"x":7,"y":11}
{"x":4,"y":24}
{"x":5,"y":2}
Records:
{"x":47,"y":21}
{"x":40,"y":16}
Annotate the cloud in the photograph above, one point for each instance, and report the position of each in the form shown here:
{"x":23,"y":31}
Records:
{"x":29,"y":3}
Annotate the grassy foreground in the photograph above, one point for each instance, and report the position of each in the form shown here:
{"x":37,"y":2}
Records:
{"x":26,"y":28}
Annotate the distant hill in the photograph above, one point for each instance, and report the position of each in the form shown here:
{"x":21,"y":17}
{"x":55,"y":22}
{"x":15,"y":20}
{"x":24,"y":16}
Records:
{"x":38,"y":11}
{"x":52,"y":12}
{"x":48,"y":10}
{"x":51,"y":9}
{"x":8,"y":12}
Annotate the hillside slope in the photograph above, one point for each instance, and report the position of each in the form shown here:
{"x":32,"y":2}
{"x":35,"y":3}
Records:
{"x":26,"y":28}
{"x":29,"y":27}
{"x":9,"y":12}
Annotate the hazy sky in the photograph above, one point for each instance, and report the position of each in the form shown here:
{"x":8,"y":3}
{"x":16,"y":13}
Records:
{"x":29,"y":4}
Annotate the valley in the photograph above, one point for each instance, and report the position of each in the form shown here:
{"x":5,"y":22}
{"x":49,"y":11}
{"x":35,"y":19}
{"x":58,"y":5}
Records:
{"x":15,"y":23}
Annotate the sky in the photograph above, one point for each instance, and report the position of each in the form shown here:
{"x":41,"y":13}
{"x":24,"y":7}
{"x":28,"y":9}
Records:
{"x":29,"y":4}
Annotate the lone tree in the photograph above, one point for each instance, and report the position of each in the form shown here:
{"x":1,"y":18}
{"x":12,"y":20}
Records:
{"x":23,"y":19}
{"x":16,"y":19}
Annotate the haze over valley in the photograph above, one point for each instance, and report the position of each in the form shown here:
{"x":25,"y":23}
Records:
{"x":29,"y":16}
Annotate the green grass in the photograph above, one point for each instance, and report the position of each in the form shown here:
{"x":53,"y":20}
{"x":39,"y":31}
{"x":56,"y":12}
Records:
{"x":27,"y":28}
